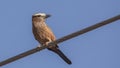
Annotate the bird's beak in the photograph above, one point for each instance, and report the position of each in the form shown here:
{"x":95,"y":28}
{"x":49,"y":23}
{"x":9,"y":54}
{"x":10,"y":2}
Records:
{"x":48,"y":15}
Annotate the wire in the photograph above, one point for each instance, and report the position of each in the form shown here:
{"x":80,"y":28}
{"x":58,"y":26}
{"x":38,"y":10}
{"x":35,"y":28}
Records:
{"x":72,"y":35}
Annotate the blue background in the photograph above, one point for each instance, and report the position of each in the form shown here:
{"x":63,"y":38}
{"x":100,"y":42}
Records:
{"x":99,"y":48}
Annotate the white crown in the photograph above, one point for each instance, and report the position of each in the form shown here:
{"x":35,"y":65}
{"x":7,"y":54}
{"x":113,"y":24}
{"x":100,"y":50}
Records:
{"x":42,"y":14}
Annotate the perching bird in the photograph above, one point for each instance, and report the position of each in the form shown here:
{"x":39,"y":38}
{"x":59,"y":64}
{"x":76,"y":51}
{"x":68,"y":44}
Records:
{"x":44,"y":35}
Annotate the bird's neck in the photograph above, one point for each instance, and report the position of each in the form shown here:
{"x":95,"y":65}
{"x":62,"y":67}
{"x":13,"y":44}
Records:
{"x":39,"y":23}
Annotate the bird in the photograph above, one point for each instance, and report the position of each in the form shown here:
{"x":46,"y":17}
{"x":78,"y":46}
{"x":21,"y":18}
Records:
{"x":44,"y":35}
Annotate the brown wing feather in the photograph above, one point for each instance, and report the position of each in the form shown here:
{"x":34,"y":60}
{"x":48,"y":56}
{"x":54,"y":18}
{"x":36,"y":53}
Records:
{"x":43,"y":34}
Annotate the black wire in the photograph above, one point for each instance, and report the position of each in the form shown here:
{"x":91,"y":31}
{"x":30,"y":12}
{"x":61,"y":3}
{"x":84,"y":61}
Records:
{"x":80,"y":32}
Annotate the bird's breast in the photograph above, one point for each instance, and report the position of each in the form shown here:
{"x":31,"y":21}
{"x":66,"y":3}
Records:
{"x":42,"y":33}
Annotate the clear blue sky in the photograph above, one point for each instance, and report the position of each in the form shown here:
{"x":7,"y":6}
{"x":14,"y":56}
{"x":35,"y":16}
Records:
{"x":99,"y":48}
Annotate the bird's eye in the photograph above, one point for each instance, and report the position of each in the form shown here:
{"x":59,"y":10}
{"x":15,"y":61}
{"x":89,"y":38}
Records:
{"x":38,"y":15}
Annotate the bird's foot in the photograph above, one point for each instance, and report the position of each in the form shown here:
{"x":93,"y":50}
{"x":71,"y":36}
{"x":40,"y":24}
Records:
{"x":39,"y":46}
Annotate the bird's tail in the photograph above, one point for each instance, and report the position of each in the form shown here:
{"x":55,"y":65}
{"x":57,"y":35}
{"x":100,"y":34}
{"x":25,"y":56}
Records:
{"x":60,"y":53}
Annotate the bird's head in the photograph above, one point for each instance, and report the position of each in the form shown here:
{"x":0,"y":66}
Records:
{"x":41,"y":15}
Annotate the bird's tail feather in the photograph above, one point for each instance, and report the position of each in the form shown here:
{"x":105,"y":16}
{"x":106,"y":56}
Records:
{"x":60,"y":53}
